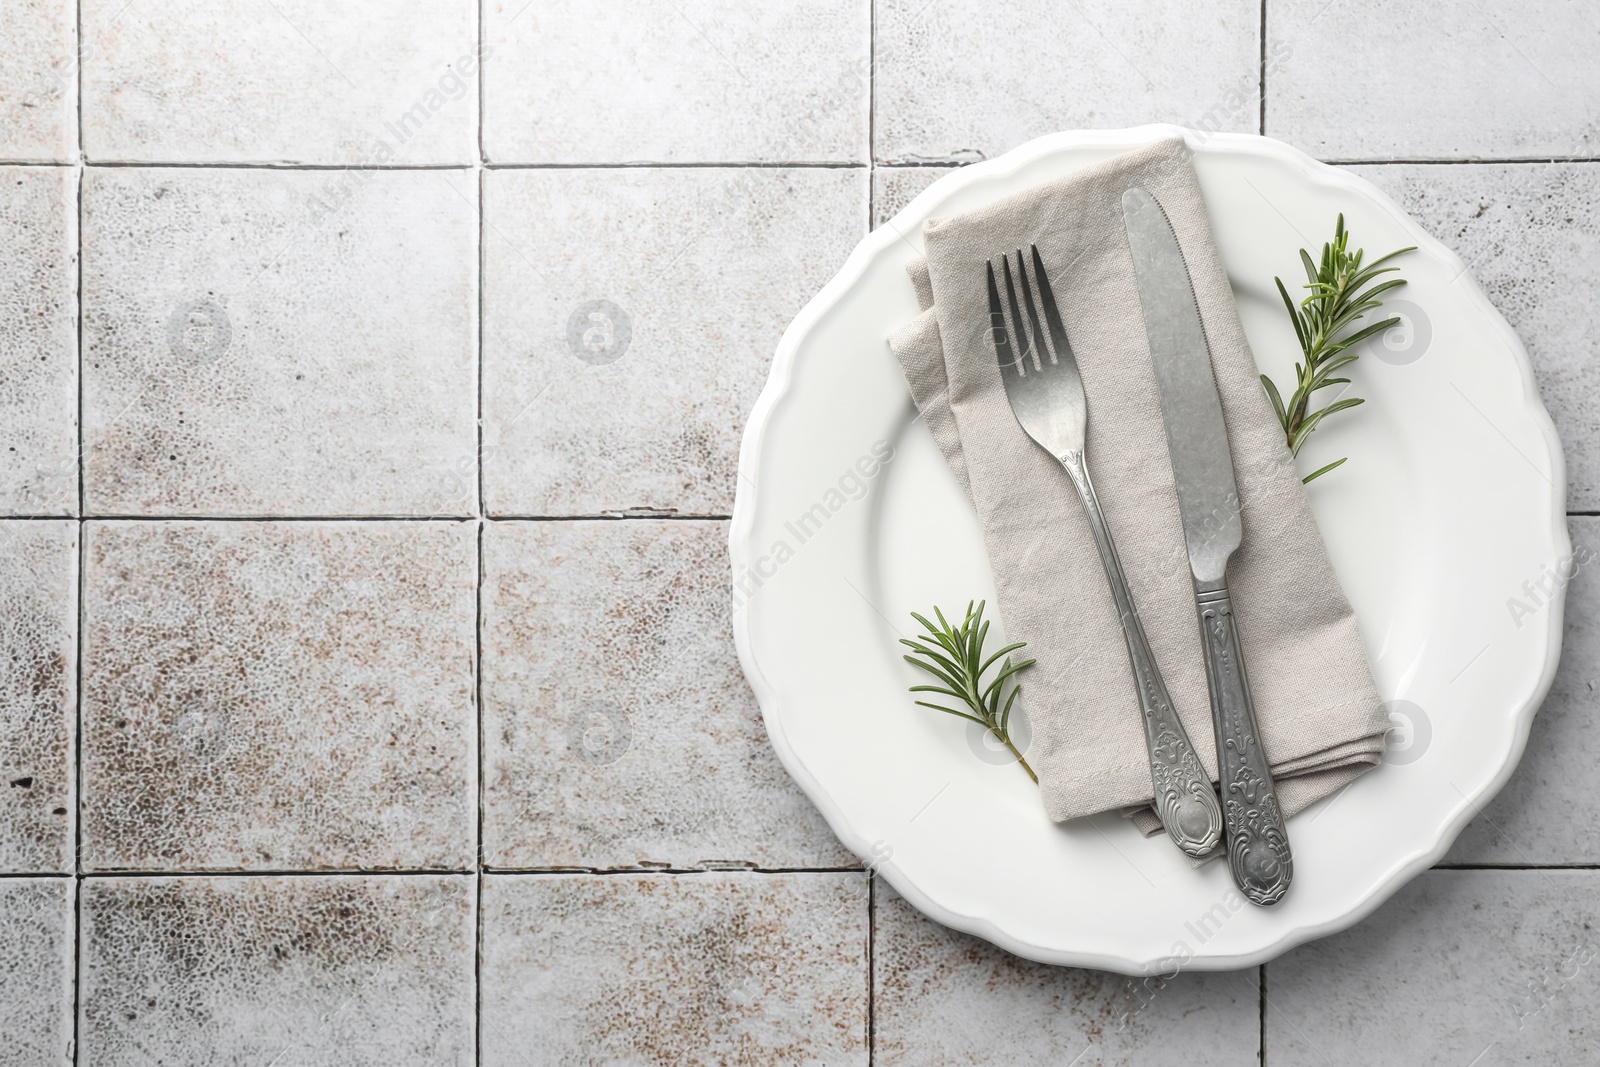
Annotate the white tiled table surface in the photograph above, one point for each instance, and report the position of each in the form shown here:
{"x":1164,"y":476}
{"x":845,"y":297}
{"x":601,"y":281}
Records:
{"x":323,"y":742}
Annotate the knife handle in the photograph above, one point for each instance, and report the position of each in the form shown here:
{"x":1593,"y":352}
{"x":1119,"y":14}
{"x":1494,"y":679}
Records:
{"x":1183,"y":798}
{"x":1258,"y":844}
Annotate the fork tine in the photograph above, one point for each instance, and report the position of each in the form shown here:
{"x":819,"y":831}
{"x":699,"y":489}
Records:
{"x":1052,"y":314}
{"x":1041,"y":353}
{"x":997,"y":327}
{"x":1017,"y":320}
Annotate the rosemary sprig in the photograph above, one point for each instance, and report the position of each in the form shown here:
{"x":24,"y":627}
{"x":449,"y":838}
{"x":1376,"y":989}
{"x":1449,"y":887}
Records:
{"x":1336,"y":301}
{"x":954,"y":655}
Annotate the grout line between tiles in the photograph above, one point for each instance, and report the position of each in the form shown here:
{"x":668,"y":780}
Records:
{"x":355,"y":872}
{"x":1509,"y":161}
{"x":482,"y":95}
{"x":81,"y":577}
{"x":612,"y":517}
{"x":477,"y":969}
{"x":872,"y":109}
{"x":404,"y":168}
{"x":278,"y":518}
{"x":477,"y":852}
{"x":1261,"y":119}
{"x":594,"y":517}
{"x":557,"y":872}
{"x":177,"y":164}
{"x":1515,"y":867}
{"x":77,"y":966}
{"x":482,"y":512}
{"x":481,"y":164}
{"x":77,"y":72}
{"x":792,"y":164}
{"x":63,"y":875}
{"x":286,"y":872}
{"x":477,"y":601}
{"x":872,"y":970}
{"x":80,"y":582}
{"x":1261,"y":998}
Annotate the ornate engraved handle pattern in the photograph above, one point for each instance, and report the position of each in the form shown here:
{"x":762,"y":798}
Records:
{"x":1258,"y":844}
{"x":1184,"y":799}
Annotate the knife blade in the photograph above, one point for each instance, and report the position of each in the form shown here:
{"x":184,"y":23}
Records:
{"x":1197,"y":436}
{"x":1208,"y":503}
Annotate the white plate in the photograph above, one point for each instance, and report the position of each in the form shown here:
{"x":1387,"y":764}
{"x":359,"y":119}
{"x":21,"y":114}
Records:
{"x":1452,"y":500}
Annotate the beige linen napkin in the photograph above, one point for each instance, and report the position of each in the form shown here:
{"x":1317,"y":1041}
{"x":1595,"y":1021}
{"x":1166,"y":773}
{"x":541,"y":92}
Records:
{"x":1322,"y":722}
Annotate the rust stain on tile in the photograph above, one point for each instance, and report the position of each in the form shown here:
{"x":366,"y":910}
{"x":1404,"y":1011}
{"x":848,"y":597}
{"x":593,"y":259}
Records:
{"x":36,"y":981}
{"x":608,"y":668}
{"x":38,"y":643}
{"x":38,"y":304}
{"x":947,"y":999}
{"x":343,"y":970}
{"x":278,"y":695}
{"x":687,"y":256}
{"x":721,"y":968}
{"x":241,"y":357}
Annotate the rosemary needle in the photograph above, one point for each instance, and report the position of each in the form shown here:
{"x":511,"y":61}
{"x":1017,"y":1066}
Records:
{"x":1335,"y":302}
{"x":955,"y":656}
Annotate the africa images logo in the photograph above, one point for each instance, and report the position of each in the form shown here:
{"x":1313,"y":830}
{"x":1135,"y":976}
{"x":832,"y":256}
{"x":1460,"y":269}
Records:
{"x":598,"y":332}
{"x":852,"y":484}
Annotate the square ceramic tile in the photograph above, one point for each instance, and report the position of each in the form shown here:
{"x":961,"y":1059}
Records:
{"x":38,"y":685}
{"x":348,"y":971}
{"x":684,"y":969}
{"x":1449,"y":80}
{"x":949,"y":998}
{"x":1460,"y":967}
{"x":39,"y":341}
{"x":699,"y":81}
{"x":278,"y":696}
{"x":1546,"y":813}
{"x":630,"y":317}
{"x":1530,"y":234}
{"x":608,"y":672}
{"x":895,"y":187}
{"x":38,"y":81}
{"x":36,"y":982}
{"x":268,"y":342}
{"x":287,"y":81}
{"x":966,"y":80}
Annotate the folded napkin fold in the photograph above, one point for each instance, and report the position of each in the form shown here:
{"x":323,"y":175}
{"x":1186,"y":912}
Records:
{"x":1322,"y":721}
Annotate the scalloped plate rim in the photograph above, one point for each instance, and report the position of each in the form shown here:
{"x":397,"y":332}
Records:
{"x":748,"y":489}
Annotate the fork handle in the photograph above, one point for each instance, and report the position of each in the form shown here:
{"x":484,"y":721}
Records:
{"x":1258,"y":843}
{"x":1184,"y":799}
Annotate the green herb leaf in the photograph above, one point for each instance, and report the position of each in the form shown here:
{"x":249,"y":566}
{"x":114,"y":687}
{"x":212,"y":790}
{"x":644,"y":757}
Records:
{"x":960,"y":664}
{"x":1335,"y":303}
{"x":1321,"y":470}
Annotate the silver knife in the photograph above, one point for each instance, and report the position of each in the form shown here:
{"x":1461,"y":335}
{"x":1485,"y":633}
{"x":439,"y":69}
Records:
{"x":1208,"y":501}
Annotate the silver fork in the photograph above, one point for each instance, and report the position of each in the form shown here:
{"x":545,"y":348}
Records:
{"x":1046,"y":393}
